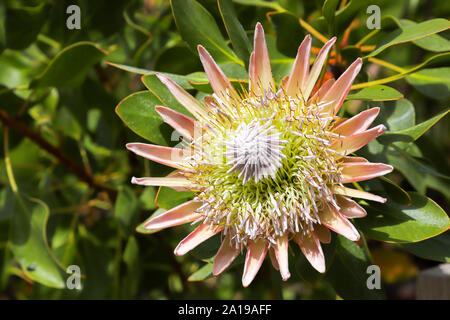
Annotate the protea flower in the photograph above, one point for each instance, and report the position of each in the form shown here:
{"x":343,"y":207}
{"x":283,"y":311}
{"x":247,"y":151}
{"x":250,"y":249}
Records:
{"x":267,"y":165}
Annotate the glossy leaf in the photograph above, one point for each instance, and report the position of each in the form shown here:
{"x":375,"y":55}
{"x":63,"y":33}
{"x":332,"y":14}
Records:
{"x":197,"y":26}
{"x":137,"y":111}
{"x":160,"y":91}
{"x":412,"y":133}
{"x":376,"y":93}
{"x":348,"y":272}
{"x":182,"y":81}
{"x":436,"y":248}
{"x":397,"y":223}
{"x":141,"y":227}
{"x":29,"y":242}
{"x":411,"y":32}
{"x":236,"y":32}
{"x":70,"y":66}
{"x":168,"y":198}
{"x":434,"y":83}
{"x":434,"y":42}
{"x":438,"y":60}
{"x":395,"y":115}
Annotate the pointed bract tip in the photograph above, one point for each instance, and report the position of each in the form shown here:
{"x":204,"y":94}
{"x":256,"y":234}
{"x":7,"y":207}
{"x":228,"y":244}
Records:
{"x":178,"y":251}
{"x":382,"y":128}
{"x":286,"y":276}
{"x":321,"y":268}
{"x":131,"y":146}
{"x":391,"y":168}
{"x":259,"y":29}
{"x":159,"y":109}
{"x":201,"y":49}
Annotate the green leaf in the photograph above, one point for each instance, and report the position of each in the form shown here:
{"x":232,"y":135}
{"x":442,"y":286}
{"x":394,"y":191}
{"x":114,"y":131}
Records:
{"x":99,"y":275}
{"x":19,"y":37}
{"x":376,"y":93}
{"x":438,"y":60}
{"x":412,"y":133}
{"x":348,"y":271}
{"x":6,"y":203}
{"x":399,"y":223}
{"x":395,"y":192}
{"x":197,"y":26}
{"x":125,"y":210}
{"x":260,"y":3}
{"x":137,"y":111}
{"x":168,"y":198}
{"x":130,"y":283}
{"x":433,"y":42}
{"x":66,"y":122}
{"x":177,"y":59}
{"x":288,"y":31}
{"x":436,"y":248}
{"x":182,"y":81}
{"x":234,"y":72}
{"x":280,"y":63}
{"x":29,"y":242}
{"x":434,"y":82}
{"x":160,"y":91}
{"x":329,"y":12}
{"x":395,"y":115}
{"x":203,"y":273}
{"x":411,"y":32}
{"x":147,"y":198}
{"x":70,"y":66}
{"x":235,"y":31}
{"x":141,"y":229}
{"x":343,"y":17}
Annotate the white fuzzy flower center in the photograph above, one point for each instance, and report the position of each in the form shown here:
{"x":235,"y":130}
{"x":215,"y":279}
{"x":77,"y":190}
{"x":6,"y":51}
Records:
{"x":255,"y":151}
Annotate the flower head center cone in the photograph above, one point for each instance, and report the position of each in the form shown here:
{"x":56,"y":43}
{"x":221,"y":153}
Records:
{"x":255,"y":151}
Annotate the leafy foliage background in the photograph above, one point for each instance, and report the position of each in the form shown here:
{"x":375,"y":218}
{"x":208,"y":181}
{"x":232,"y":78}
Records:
{"x":65,"y":192}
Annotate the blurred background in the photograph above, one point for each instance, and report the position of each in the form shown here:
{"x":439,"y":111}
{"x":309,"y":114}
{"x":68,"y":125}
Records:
{"x":65,"y":192}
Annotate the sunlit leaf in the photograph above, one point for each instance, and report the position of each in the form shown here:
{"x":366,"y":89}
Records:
{"x":198,"y":27}
{"x":412,"y":133}
{"x":376,"y":93}
{"x":411,"y":32}
{"x":397,"y":223}
{"x":235,"y":31}
{"x":168,"y":198}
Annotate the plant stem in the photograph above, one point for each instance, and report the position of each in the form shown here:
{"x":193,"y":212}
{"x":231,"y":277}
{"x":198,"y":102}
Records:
{"x":67,"y":162}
